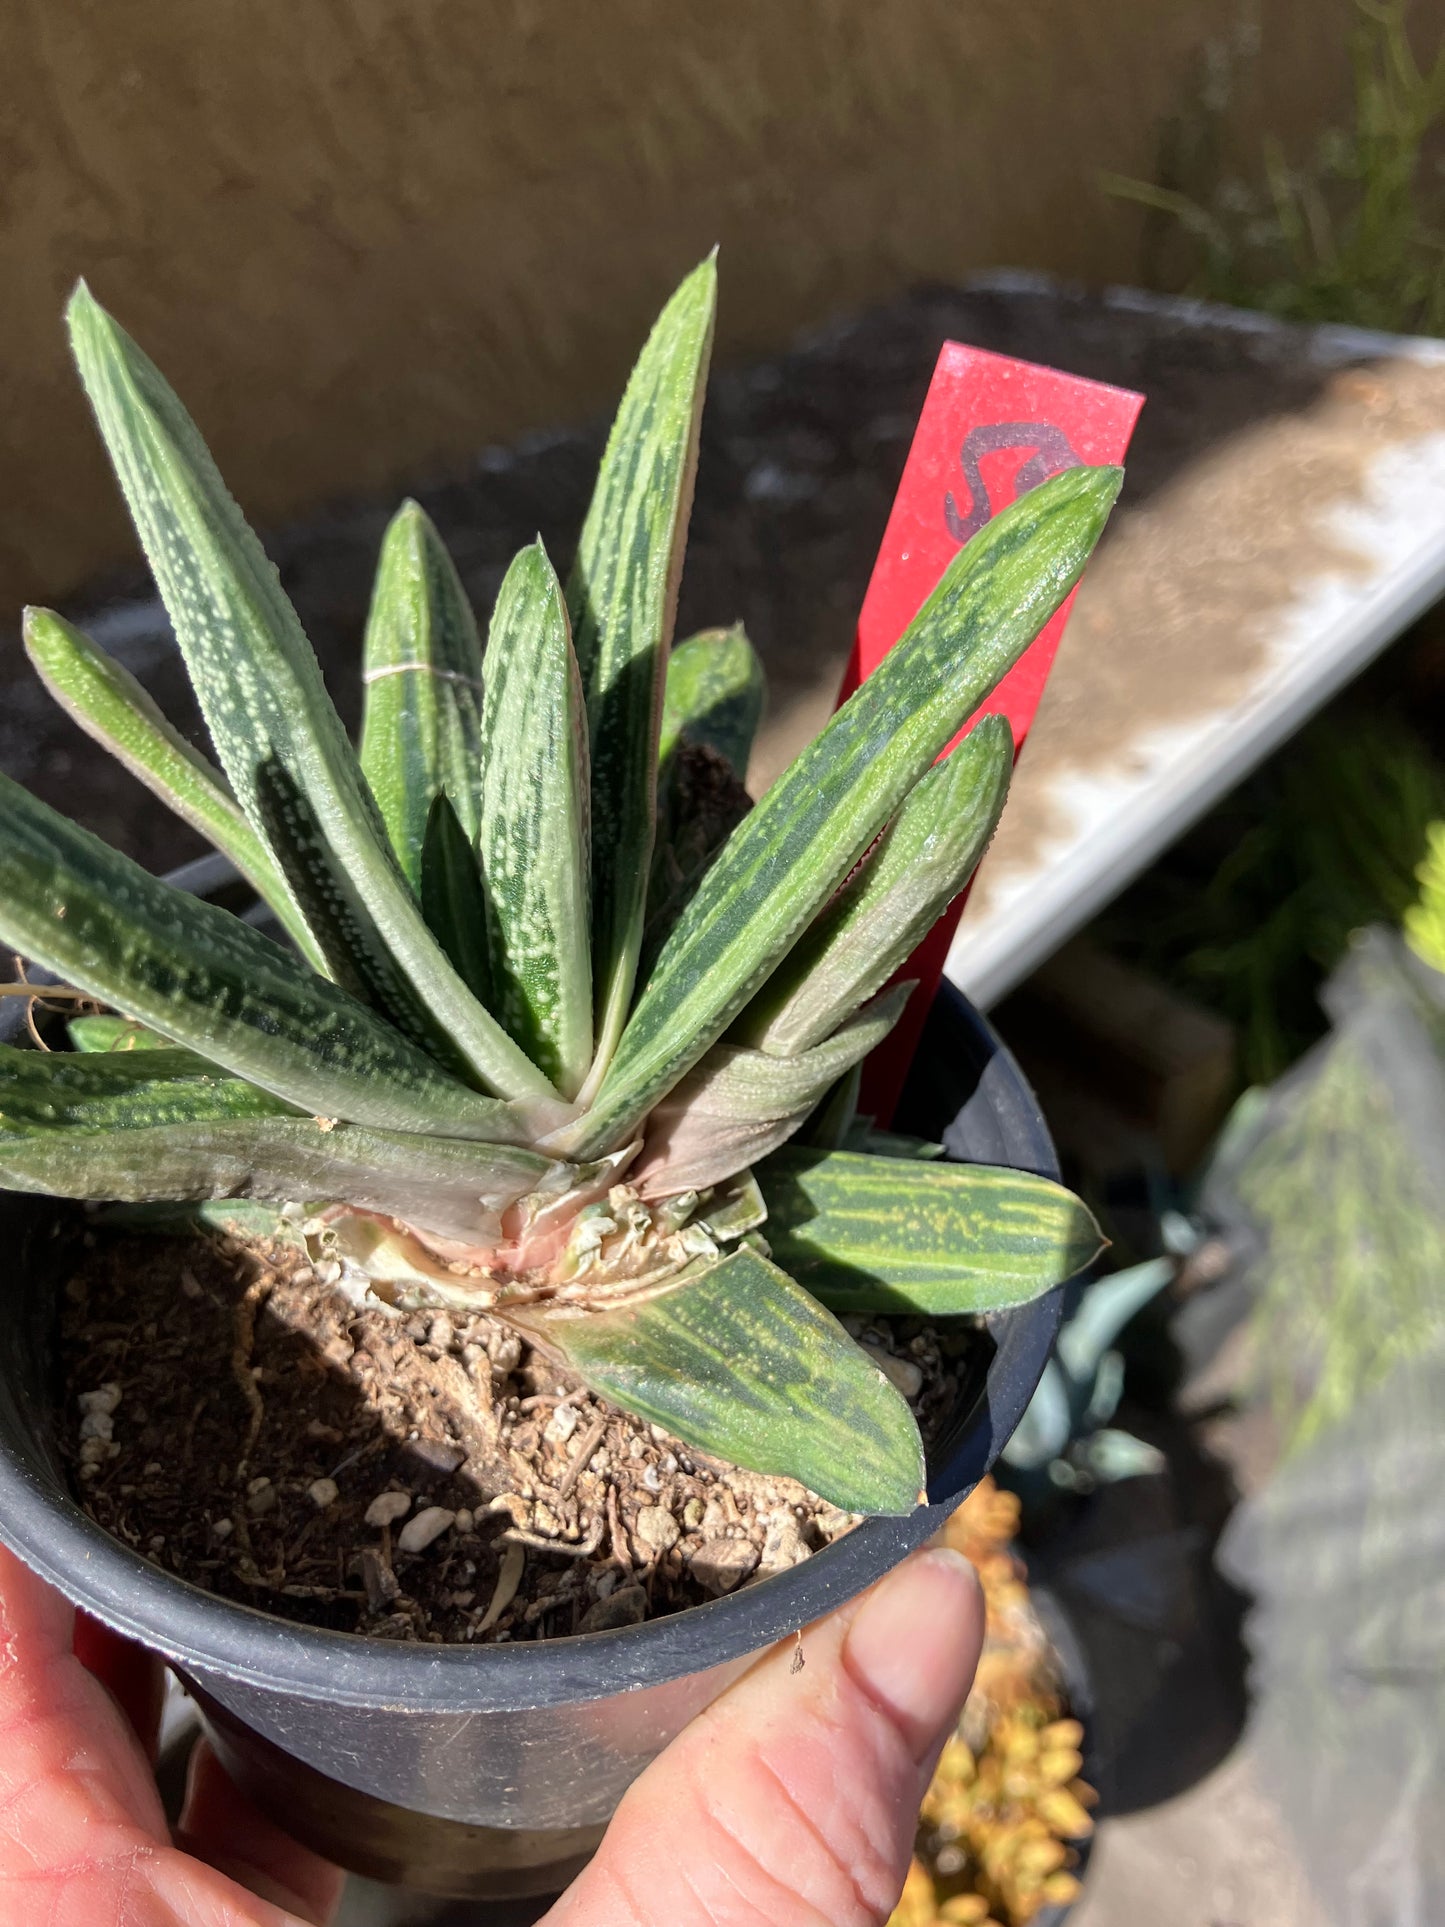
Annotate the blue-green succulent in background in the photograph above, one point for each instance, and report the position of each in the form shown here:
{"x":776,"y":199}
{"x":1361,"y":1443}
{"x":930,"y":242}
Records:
{"x":1064,"y":1440}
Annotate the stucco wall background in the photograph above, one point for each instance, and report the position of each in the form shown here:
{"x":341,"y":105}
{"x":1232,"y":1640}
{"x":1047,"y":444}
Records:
{"x":366,"y":237}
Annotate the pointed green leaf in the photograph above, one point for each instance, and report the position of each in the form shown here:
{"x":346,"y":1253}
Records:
{"x":922,"y":861}
{"x":452,"y":1189}
{"x":713,"y":695}
{"x":421,"y":731}
{"x":112,"y":707}
{"x":623,"y":599}
{"x":126,"y":1090}
{"x":278,"y":738}
{"x":739,"y":1362}
{"x":452,"y":899}
{"x":784,"y":861}
{"x":736,"y":1105}
{"x":205,"y":979}
{"x":870,"y":1234}
{"x":534,"y":835}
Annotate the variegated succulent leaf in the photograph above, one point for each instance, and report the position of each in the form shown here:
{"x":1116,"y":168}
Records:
{"x":920,"y":863}
{"x":713,"y":695}
{"x":738,"y":1361}
{"x":534,"y":838}
{"x":622,"y":595}
{"x":161,"y":1124}
{"x":275,"y":731}
{"x":736,"y":1105}
{"x":887,"y":1234}
{"x":488,"y":1107}
{"x":206,"y":980}
{"x":422,"y":678}
{"x":105,"y":699}
{"x":785,"y":860}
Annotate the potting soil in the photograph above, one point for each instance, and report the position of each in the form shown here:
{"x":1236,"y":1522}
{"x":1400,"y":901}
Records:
{"x":417,"y":1477}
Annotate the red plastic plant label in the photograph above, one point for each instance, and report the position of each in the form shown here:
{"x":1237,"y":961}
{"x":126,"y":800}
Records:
{"x":991,"y":429}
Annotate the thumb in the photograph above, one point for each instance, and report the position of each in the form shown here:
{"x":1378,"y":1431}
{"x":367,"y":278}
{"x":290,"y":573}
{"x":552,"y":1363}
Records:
{"x":792,"y":1801}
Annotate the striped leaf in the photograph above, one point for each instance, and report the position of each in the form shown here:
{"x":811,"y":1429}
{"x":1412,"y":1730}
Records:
{"x":108,"y":703}
{"x":451,"y":896}
{"x":922,"y":861}
{"x":623,"y":598}
{"x":784,"y":861}
{"x":421,"y":729}
{"x":740,"y":1362}
{"x":870,"y":1234}
{"x":452,"y":1189}
{"x":277,"y":736}
{"x":126,"y":1090}
{"x":736,"y":1105}
{"x":205,"y":979}
{"x":534,"y":836}
{"x":713,"y":695}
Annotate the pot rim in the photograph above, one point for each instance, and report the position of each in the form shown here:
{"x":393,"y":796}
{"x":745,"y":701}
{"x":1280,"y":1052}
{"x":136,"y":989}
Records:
{"x":201,"y":1632}
{"x":197,"y":1630}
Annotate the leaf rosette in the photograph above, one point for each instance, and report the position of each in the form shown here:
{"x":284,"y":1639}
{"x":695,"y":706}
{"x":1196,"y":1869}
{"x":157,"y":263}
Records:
{"x":552,"y":1023}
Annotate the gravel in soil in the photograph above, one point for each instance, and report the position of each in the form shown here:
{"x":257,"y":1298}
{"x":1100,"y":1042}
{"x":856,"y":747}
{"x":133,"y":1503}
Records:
{"x":240,"y":1421}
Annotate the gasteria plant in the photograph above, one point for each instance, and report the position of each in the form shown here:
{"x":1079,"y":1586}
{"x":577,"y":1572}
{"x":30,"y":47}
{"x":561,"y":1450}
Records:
{"x":542,"y":1025}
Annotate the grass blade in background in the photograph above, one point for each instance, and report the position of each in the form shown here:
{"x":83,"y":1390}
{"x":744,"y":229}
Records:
{"x":786,"y":858}
{"x":207,"y":980}
{"x":742,"y":1363}
{"x":534,"y":842}
{"x":713,"y":694}
{"x":112,"y":707}
{"x":868,"y":1234}
{"x":452,"y":899}
{"x":923,"y":859}
{"x":273,"y":726}
{"x":421,"y":727}
{"x":622,"y":596}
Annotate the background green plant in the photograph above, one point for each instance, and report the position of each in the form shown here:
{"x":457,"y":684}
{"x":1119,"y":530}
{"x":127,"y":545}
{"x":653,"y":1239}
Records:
{"x":1355,"y":233}
{"x":1254,"y":908}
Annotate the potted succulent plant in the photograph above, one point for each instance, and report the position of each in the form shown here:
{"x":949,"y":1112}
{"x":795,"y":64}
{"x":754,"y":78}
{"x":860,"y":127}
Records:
{"x":557,"y":1062}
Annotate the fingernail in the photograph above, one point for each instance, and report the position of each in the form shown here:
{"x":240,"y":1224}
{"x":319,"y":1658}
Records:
{"x":914,"y":1643}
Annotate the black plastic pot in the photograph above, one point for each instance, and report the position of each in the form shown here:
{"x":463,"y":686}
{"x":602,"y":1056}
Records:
{"x":486,"y":1770}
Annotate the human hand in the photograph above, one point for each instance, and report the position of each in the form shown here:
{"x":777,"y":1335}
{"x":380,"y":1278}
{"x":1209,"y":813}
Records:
{"x":790,"y":1802}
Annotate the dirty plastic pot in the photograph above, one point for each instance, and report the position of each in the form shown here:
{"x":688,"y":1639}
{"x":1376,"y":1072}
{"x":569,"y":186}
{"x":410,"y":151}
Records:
{"x":487,"y":1770}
